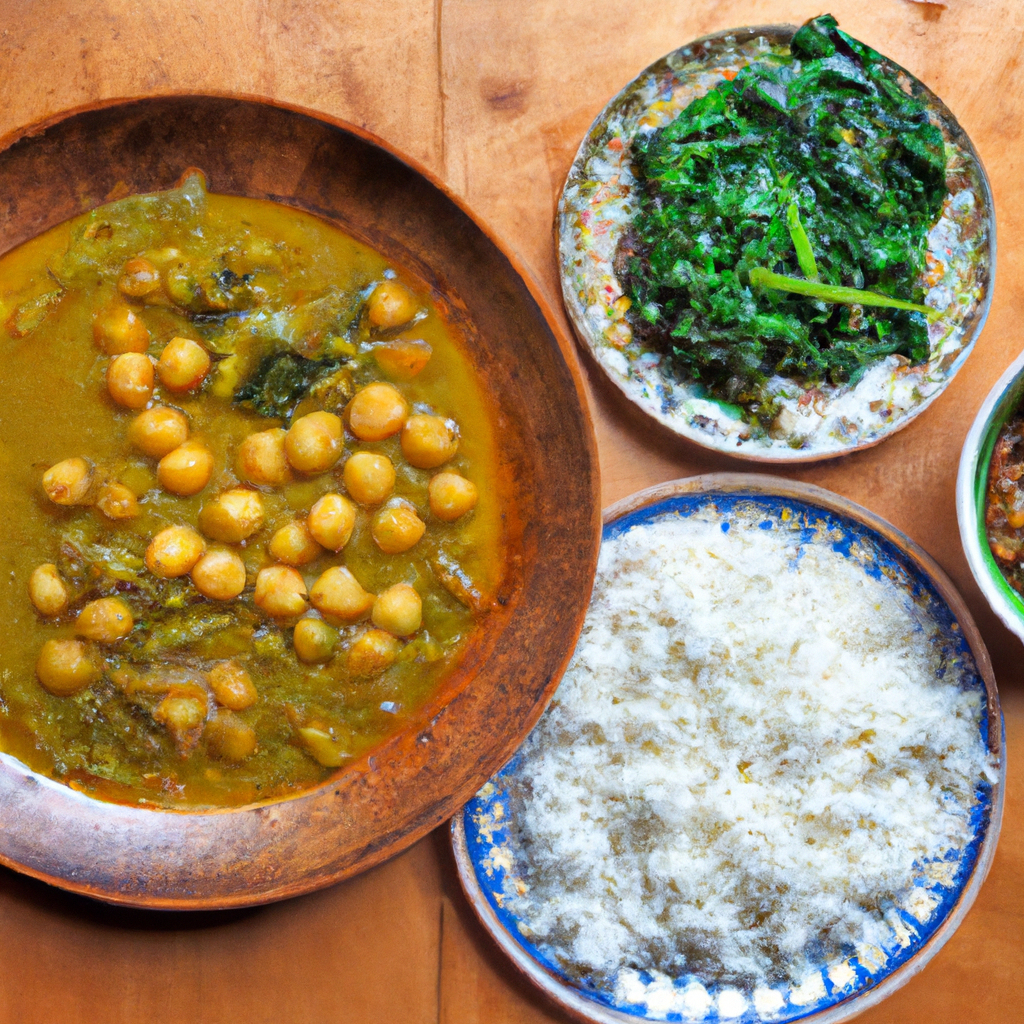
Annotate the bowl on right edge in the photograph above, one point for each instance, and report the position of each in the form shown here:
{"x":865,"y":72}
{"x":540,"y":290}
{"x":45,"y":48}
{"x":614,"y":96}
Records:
{"x":1006,"y":396}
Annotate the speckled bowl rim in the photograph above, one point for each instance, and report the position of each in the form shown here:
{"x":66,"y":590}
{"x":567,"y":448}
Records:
{"x":971,"y":484}
{"x":582,"y":1008}
{"x":775,"y":455}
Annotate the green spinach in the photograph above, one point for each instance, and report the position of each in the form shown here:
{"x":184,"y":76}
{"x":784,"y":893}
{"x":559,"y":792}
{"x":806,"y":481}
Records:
{"x":281,"y":381}
{"x":813,"y":165}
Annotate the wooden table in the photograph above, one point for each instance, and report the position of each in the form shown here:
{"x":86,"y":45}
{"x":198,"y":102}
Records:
{"x":494,"y":96}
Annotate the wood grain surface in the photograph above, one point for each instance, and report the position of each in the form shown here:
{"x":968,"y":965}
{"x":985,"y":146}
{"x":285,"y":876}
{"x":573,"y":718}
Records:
{"x":494,"y":96}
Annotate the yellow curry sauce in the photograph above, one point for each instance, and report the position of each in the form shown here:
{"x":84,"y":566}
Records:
{"x":192,"y":656}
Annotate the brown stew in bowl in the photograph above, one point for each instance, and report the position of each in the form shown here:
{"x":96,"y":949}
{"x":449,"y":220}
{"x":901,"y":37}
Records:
{"x":1004,"y":502}
{"x":252,"y":499}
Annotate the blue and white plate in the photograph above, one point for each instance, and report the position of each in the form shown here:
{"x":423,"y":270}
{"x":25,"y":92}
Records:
{"x":821,"y":421}
{"x":834,"y":990}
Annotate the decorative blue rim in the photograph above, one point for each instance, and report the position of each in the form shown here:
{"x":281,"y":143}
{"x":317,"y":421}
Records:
{"x":485,"y":818}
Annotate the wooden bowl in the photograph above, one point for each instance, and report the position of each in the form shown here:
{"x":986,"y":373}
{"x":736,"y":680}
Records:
{"x":381,"y":804}
{"x":481,"y":836}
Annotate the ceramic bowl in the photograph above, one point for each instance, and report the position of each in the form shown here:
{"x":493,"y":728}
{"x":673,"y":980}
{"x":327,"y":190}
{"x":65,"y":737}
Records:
{"x":812,"y":422}
{"x":971,"y":483}
{"x":833,"y":990}
{"x":384,"y":802}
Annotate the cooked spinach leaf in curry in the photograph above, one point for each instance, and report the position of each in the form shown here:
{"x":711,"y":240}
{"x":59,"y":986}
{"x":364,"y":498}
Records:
{"x":782,"y":221}
{"x":252,"y":493}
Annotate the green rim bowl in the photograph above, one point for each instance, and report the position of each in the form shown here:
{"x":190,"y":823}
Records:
{"x":972,"y":479}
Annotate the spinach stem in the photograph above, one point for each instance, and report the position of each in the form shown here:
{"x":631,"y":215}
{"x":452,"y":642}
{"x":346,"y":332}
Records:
{"x":801,"y":243}
{"x":761,"y":277}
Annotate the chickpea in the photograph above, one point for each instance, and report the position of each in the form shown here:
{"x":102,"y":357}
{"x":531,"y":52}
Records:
{"x":232,"y":686}
{"x":119,"y":330}
{"x":427,"y":441}
{"x":116,"y":501}
{"x":229,"y":738}
{"x":219,"y":575}
{"x":280,"y":592}
{"x":314,"y":442}
{"x":186,"y":470}
{"x":373,"y":652}
{"x":402,"y":359}
{"x":331,"y":521}
{"x":160,"y":679}
{"x":322,"y":746}
{"x":390,"y":305}
{"x":369,"y":478}
{"x":183,"y":716}
{"x":138,"y":278}
{"x":376,"y":412}
{"x":261,"y":459}
{"x":233,"y":516}
{"x":174,"y":551}
{"x":397,"y":528}
{"x":130,"y":379}
{"x":159,"y":430}
{"x":398,"y":609}
{"x":451,"y":496}
{"x":106,"y":620}
{"x":339,"y":595}
{"x":314,"y":641}
{"x":66,"y":666}
{"x":68,"y":482}
{"x":293,"y":544}
{"x":183,"y":365}
{"x":46,"y":590}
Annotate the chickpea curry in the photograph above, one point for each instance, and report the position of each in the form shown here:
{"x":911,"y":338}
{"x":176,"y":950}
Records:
{"x":253,"y":504}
